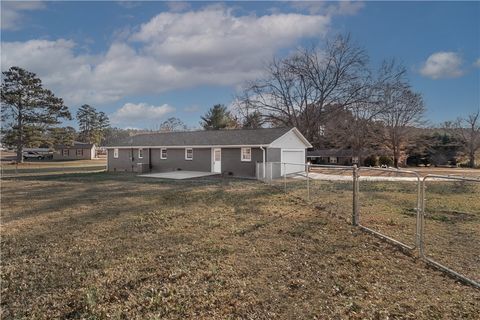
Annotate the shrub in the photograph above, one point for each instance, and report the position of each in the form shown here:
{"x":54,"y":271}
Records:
{"x":371,"y":161}
{"x":385,"y":160}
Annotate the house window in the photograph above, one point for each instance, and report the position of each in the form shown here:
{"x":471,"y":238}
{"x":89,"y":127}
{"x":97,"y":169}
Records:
{"x":333,"y":159}
{"x":65,"y":152}
{"x":140,"y":153}
{"x":188,"y":154}
{"x":163,"y":153}
{"x":246,"y":154}
{"x":115,"y":153}
{"x":79,"y":152}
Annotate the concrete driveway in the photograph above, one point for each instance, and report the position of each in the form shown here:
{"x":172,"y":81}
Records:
{"x":178,"y":175}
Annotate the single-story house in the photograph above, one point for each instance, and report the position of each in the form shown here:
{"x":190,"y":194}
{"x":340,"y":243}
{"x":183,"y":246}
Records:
{"x":332,"y":156}
{"x":237,"y":152}
{"x":76,"y":151}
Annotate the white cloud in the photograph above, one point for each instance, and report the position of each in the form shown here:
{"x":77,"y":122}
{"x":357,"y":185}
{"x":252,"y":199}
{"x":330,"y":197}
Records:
{"x":12,"y":15}
{"x":477,"y":63}
{"x":215,"y":38}
{"x":141,"y":114}
{"x":211,"y":46}
{"x":443,"y":65}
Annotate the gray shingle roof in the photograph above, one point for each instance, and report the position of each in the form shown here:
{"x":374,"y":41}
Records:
{"x":76,"y":145}
{"x":262,"y":136}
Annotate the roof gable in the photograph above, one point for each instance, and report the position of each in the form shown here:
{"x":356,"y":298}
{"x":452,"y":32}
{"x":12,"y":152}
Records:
{"x":291,"y":139}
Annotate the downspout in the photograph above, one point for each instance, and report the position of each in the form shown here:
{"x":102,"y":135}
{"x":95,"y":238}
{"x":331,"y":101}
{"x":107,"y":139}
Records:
{"x":150,"y":159}
{"x":264,"y":165}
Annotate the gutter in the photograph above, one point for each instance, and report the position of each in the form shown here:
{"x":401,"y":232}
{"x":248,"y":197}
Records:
{"x":192,"y":146}
{"x":264,"y":165}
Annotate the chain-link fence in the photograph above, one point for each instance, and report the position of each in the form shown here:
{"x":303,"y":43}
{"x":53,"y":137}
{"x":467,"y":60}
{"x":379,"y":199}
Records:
{"x":437,"y":216}
{"x":450,"y":237}
{"x":389,"y":204}
{"x":329,"y":188}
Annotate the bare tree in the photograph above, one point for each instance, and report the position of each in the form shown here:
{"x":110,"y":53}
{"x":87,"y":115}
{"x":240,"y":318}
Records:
{"x":401,"y":110}
{"x":467,"y":132}
{"x":296,"y":89}
{"x":172,"y":124}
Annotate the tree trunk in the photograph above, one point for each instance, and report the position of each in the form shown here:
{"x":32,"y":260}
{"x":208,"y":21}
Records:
{"x":395,"y":157}
{"x":20,"y":136}
{"x":471,"y":157}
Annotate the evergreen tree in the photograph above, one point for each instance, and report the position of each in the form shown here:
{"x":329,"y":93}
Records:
{"x":92,"y":124}
{"x":253,"y":120}
{"x":61,"y":136}
{"x":218,"y":118}
{"x":28,"y":109}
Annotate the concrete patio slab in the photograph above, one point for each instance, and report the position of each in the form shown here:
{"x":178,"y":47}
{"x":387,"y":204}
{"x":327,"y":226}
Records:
{"x":178,"y":175}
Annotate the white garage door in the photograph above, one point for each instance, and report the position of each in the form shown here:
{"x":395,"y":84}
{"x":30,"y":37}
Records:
{"x":294,"y":159}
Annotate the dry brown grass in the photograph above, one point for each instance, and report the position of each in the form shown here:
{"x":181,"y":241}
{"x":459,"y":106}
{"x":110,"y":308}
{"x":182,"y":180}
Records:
{"x":98,"y":246}
{"x":422,"y":171}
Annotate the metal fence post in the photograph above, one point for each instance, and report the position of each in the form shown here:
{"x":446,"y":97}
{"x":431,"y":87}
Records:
{"x":284,"y":176}
{"x":355,"y":212}
{"x":271,"y":172}
{"x":421,"y":220}
{"x":308,"y":183}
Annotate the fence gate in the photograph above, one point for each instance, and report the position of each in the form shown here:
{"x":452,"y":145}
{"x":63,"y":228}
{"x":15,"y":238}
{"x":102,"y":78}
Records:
{"x":387,"y":203}
{"x":450,"y":229}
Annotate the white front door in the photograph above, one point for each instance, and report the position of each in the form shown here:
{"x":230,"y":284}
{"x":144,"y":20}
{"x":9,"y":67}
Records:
{"x":217,"y":160}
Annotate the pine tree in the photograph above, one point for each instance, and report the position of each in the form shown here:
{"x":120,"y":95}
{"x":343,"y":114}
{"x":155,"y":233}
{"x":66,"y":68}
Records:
{"x":92,"y":124}
{"x":28,"y":109}
{"x":253,"y":120}
{"x":218,"y":118}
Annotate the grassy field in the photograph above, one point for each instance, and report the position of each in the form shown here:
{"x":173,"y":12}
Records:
{"x":101,"y":245}
{"x":422,"y":171}
{"x":452,"y":217}
{"x":49,"y":167}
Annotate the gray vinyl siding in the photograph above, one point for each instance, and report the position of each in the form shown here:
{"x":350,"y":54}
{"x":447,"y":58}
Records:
{"x":202,"y":160}
{"x":275,"y":155}
{"x":127,"y":159}
{"x":176,"y":160}
{"x":232,"y":162}
{"x":72,"y":154}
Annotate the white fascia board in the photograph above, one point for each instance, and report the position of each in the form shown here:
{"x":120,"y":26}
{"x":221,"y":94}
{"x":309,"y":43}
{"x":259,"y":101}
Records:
{"x":196,"y":147}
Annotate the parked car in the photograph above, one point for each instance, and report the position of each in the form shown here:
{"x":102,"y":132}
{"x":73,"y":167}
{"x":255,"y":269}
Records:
{"x":32,"y":155}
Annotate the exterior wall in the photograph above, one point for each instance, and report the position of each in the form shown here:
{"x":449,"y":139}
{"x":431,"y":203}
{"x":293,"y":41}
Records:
{"x":231,"y":162}
{"x":274,"y":155}
{"x":202,"y":160}
{"x":88,"y":154}
{"x":175,"y":160}
{"x":127,"y":159}
{"x":342,"y":161}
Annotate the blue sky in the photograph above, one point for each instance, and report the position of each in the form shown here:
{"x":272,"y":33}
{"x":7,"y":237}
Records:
{"x":142,"y":62}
